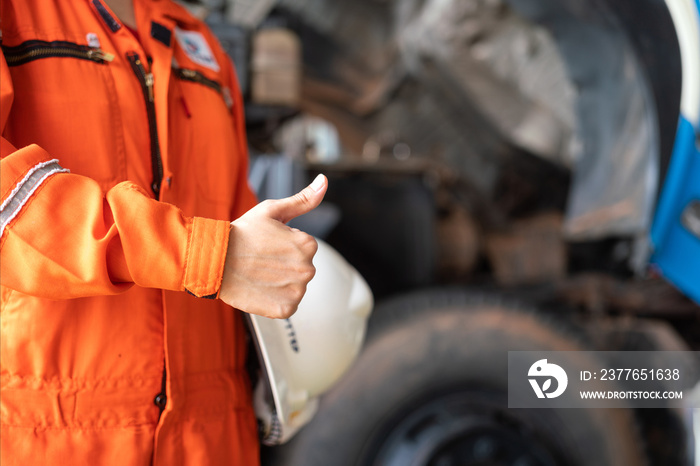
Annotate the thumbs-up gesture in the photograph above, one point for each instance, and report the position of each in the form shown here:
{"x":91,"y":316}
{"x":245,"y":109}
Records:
{"x":268,"y":264}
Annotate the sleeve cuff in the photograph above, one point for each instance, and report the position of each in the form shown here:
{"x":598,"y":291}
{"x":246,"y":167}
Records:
{"x":206,"y":255}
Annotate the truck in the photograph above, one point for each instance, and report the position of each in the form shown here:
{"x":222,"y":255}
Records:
{"x":507,"y":175}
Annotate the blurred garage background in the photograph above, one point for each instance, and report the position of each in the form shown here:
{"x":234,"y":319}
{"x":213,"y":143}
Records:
{"x":494,"y":168}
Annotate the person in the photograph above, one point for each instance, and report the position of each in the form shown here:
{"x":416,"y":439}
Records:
{"x":123,"y":163}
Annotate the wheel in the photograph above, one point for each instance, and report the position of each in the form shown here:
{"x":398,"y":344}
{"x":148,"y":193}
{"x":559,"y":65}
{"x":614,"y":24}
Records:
{"x":664,"y":429}
{"x":431,"y":389}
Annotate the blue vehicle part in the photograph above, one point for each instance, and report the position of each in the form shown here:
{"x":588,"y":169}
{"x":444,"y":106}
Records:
{"x":675,"y":233}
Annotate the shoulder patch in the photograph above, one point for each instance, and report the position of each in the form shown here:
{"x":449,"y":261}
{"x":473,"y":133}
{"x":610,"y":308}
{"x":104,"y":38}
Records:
{"x":196,"y":48}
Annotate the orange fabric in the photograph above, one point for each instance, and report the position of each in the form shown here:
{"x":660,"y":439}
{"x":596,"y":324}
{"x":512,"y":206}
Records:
{"x":94,"y":269}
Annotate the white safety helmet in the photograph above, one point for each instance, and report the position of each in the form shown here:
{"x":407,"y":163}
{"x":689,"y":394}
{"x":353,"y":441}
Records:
{"x":303,"y":356}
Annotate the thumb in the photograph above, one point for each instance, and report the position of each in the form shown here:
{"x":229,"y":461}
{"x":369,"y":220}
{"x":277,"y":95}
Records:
{"x":301,"y":203}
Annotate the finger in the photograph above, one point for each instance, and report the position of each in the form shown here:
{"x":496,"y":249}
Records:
{"x":301,"y":203}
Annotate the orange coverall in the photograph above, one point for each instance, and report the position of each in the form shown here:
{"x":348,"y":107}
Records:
{"x":99,"y":266}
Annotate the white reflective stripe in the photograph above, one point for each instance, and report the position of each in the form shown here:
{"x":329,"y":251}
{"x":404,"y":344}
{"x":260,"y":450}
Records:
{"x":24,"y":190}
{"x":36,"y":167}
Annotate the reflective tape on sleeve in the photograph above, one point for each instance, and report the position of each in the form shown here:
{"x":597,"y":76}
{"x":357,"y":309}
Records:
{"x":24,"y":190}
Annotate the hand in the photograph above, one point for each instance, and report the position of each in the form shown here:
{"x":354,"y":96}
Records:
{"x":269,"y":264}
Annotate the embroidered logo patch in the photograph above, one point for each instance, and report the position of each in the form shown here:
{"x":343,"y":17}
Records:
{"x":93,"y":40}
{"x":196,"y":48}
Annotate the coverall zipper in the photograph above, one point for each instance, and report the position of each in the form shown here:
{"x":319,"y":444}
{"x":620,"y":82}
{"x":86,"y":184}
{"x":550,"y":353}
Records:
{"x":36,"y":49}
{"x":146,"y":80}
{"x":197,"y":77}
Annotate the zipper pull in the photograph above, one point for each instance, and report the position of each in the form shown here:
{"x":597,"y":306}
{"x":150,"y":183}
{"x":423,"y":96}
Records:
{"x":188,"y":73}
{"x":149,"y":85}
{"x":100,"y":54}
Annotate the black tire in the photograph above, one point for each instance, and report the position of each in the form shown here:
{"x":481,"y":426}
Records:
{"x":431,"y":389}
{"x":664,"y":429}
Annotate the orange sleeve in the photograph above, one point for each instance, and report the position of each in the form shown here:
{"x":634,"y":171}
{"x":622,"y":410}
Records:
{"x":61,"y":237}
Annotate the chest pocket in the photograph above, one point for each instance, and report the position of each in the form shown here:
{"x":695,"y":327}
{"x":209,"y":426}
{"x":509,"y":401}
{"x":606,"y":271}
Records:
{"x":66,"y":101}
{"x":205,"y":137}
